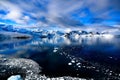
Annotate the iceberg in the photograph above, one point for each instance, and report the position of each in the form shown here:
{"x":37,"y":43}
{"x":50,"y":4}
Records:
{"x":15,"y":77}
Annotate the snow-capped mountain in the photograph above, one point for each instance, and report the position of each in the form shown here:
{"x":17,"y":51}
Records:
{"x":42,"y":33}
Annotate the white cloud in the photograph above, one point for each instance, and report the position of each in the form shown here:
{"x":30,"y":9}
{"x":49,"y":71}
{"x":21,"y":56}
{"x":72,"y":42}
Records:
{"x":14,"y":12}
{"x":61,"y":8}
{"x":52,"y":10}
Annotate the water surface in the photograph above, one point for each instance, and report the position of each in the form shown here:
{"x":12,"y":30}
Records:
{"x":87,"y":57}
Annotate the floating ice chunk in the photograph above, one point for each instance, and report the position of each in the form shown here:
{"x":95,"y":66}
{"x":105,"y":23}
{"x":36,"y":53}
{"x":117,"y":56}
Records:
{"x":73,"y":61}
{"x":78,"y":64}
{"x":61,"y":78}
{"x":69,"y":63}
{"x":55,"y":49}
{"x":15,"y":77}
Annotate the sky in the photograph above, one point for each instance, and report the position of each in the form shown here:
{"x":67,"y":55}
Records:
{"x":60,"y":13}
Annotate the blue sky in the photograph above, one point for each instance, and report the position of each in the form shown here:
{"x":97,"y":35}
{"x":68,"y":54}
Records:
{"x":65,"y":13}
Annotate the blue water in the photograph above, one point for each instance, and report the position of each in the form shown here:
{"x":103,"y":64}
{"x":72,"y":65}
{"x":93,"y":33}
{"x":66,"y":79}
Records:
{"x":60,"y":56}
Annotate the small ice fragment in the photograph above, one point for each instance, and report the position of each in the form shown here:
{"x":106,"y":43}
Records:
{"x":73,"y":61}
{"x":78,"y":64}
{"x":69,"y":63}
{"x":61,"y":78}
{"x":3,"y":70}
{"x":55,"y":50}
{"x":15,"y":77}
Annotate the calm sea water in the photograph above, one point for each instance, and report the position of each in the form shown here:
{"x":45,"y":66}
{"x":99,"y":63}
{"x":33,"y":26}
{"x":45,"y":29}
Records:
{"x":83,"y":57}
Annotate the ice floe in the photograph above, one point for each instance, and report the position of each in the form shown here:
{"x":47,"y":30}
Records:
{"x":15,"y":77}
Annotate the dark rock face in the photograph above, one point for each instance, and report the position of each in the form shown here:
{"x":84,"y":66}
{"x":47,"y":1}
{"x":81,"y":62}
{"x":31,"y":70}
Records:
{"x":22,"y":37}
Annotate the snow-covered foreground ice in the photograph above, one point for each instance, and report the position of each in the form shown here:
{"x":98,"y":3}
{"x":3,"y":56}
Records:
{"x":15,"y":77}
{"x":28,"y":69}
{"x":12,"y":66}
